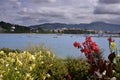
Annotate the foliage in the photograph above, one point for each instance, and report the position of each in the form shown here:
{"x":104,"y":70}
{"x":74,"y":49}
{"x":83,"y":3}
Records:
{"x":116,"y":62}
{"x":8,"y":50}
{"x":98,"y":67}
{"x":39,"y":64}
{"x":18,"y":28}
{"x":16,"y":66}
{"x":49,"y":67}
{"x":77,"y":68}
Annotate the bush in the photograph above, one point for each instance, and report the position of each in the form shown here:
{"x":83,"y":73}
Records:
{"x":41,"y":65}
{"x":49,"y":67}
{"x":77,"y":68}
{"x":16,"y":66}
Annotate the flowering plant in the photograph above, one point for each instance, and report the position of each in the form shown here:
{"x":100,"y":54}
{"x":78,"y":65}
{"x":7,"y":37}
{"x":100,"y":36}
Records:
{"x":90,"y":49}
{"x":99,"y":68}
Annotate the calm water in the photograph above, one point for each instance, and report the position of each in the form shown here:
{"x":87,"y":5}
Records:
{"x":61,"y":45}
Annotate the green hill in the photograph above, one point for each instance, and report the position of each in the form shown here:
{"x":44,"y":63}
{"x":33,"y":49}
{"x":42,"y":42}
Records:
{"x":13,"y":28}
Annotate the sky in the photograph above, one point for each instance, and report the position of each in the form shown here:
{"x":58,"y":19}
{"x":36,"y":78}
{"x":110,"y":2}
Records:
{"x":33,"y":12}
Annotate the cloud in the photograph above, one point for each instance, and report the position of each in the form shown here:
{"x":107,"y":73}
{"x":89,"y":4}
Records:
{"x":109,"y":1}
{"x":108,"y":7}
{"x":44,"y":1}
{"x":64,"y":14}
{"x":30,"y":12}
{"x":108,"y":11}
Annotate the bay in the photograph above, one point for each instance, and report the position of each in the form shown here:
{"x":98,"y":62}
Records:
{"x":60,"y":44}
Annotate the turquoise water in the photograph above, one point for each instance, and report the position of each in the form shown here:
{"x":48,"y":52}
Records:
{"x":61,"y":45}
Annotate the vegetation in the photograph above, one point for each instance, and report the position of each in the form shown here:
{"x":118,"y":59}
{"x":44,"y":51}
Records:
{"x":91,"y":28}
{"x":11,"y":28}
{"x":40,"y":65}
{"x":99,"y":68}
{"x":78,"y":32}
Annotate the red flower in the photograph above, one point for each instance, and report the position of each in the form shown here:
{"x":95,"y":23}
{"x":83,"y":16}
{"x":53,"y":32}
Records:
{"x":93,"y":45}
{"x":96,"y":50}
{"x":88,"y":38}
{"x":109,"y":39}
{"x":86,"y":51}
{"x":84,"y":43}
{"x":76,"y":44}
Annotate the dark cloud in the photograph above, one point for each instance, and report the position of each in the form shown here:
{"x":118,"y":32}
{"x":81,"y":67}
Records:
{"x":109,"y":1}
{"x":43,"y":1}
{"x":108,"y":7}
{"x":107,"y":10}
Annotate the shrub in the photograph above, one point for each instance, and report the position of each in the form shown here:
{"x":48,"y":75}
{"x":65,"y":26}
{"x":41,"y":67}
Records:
{"x":49,"y":67}
{"x":7,"y":50}
{"x":41,"y":65}
{"x":16,"y":66}
{"x":77,"y":68}
{"x":116,"y":62}
{"x":98,"y":67}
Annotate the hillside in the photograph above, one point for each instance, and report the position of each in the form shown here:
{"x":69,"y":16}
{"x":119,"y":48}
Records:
{"x":11,"y":28}
{"x":48,"y":27}
{"x":91,"y":26}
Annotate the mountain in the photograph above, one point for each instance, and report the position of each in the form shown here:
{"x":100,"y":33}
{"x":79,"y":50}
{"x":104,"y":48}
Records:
{"x":13,"y":28}
{"x":91,"y":26}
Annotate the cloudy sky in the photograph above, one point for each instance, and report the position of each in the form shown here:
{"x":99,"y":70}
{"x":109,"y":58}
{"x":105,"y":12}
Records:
{"x":32,"y":12}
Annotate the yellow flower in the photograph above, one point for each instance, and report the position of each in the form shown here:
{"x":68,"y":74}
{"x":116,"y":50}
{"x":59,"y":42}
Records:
{"x":27,"y":74}
{"x":32,"y":57}
{"x":18,"y":62}
{"x":2,"y":54}
{"x":17,"y":72}
{"x":7,"y":65}
{"x":1,"y":76}
{"x":16,"y":68}
{"x":12,"y":54}
{"x":33,"y":65}
{"x":42,"y":62}
{"x":112,"y":45}
{"x":51,"y":65}
{"x":48,"y":53}
{"x":2,"y":61}
{"x":9,"y":59}
{"x":43,"y":77}
{"x":48,"y":75}
{"x":12,"y":60}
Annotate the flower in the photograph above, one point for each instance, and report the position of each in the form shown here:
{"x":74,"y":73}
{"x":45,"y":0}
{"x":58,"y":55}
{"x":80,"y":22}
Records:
{"x":112,"y":45}
{"x":48,"y":75}
{"x":88,"y":38}
{"x":109,"y":39}
{"x":19,"y":63}
{"x":48,"y":53}
{"x":84,"y":43}
{"x":76,"y":44}
{"x":41,"y":62}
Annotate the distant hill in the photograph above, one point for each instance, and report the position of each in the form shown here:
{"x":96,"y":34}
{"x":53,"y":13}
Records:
{"x":13,"y":28}
{"x":91,"y":26}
